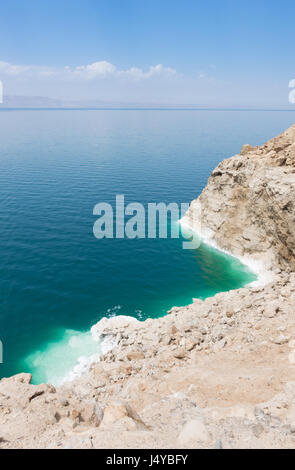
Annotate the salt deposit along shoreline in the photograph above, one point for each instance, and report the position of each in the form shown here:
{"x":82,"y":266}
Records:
{"x":216,"y":373}
{"x":264,"y":275}
{"x":108,"y":343}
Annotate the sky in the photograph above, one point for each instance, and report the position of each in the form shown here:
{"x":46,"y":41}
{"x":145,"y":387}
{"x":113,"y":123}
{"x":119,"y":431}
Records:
{"x":191,"y":52}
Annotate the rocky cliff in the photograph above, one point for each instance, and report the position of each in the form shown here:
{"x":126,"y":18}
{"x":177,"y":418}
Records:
{"x":213,"y":374}
{"x":248,"y":205}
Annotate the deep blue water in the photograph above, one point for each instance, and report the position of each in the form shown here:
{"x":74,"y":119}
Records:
{"x":57,"y":278}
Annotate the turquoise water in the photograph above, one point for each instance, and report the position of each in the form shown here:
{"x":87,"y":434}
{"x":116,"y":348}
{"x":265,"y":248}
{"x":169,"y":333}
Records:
{"x":56,"y":279}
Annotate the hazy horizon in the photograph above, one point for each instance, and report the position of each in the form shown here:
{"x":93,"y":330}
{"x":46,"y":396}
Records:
{"x":31,"y":102}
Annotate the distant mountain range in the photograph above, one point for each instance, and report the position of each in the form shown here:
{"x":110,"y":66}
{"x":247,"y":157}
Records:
{"x":10,"y":101}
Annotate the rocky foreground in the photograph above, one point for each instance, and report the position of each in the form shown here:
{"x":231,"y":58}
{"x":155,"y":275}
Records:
{"x":214,"y":374}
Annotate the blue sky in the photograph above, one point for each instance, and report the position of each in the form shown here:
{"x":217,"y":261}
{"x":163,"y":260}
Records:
{"x":219,"y":52}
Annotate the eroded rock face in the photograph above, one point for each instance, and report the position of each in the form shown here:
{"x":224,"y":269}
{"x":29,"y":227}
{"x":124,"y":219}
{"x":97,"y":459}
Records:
{"x":248,"y":205}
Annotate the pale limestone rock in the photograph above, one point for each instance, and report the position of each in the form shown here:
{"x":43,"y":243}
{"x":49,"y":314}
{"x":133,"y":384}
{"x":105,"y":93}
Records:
{"x":90,"y":413}
{"x":135,"y":356}
{"x":190,"y":344}
{"x":291,"y":357}
{"x":22,"y":378}
{"x":271,"y":310}
{"x":179,"y":353}
{"x":247,"y":148}
{"x":258,"y":430}
{"x":194,"y":430}
{"x":117,"y":411}
{"x":253,"y":198}
{"x":281,"y":339}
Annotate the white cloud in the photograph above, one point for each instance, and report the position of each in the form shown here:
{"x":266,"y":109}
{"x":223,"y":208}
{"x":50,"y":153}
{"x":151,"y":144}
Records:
{"x":103,"y":69}
{"x":139,"y":74}
{"x":96,"y":70}
{"x":10,"y":69}
{"x":13,"y":70}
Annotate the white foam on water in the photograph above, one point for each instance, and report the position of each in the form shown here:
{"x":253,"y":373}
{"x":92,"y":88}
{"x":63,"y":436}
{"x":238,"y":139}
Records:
{"x":67,"y":358}
{"x":256,"y":267}
{"x":113,"y":311}
{"x":62,"y":357}
{"x":73,"y":353}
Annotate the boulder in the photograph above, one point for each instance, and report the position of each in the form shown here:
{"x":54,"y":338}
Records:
{"x":118,"y":411}
{"x":194,"y":431}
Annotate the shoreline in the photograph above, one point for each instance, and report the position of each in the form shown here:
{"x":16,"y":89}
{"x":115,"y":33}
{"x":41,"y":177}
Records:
{"x":107,"y":344}
{"x":264,"y":275}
